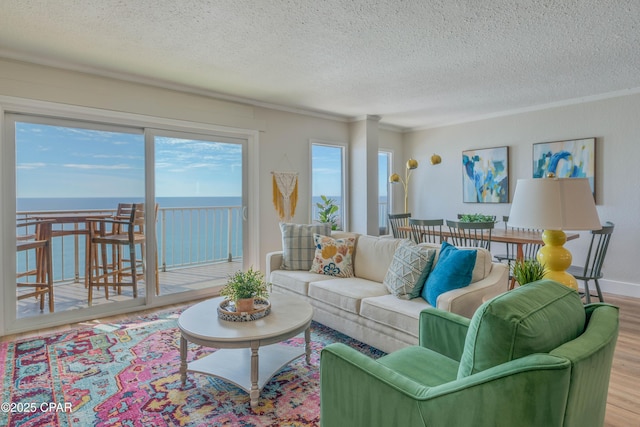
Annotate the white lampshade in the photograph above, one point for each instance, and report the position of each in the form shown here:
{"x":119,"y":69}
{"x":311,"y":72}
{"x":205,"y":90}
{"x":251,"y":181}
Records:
{"x":554,"y":204}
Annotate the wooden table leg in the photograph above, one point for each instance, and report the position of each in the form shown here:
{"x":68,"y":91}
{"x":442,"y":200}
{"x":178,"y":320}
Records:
{"x":307,"y":344}
{"x":183,"y":360}
{"x":254,"y":394}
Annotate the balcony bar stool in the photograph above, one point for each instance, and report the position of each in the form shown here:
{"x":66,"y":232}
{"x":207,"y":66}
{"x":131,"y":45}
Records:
{"x":123,"y":234}
{"x":399,"y":225}
{"x":477,"y":234}
{"x":592,"y":269}
{"x":426,"y":230}
{"x":40,"y":242}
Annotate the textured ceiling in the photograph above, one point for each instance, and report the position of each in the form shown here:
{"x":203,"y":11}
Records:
{"x":415,"y":63}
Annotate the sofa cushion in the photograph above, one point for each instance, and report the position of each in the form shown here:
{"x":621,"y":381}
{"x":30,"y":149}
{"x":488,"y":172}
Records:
{"x":408,"y":270}
{"x":298,"y":248}
{"x":396,"y":313}
{"x":345,"y":293}
{"x":483,"y":265}
{"x":296,"y":281}
{"x":373,"y":257}
{"x":333,"y":257}
{"x":535,"y":318}
{"x":453,"y":271}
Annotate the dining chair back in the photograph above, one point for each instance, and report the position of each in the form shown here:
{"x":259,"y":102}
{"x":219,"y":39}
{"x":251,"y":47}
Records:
{"x":400,"y":225}
{"x":592,"y":269}
{"x":426,"y":230}
{"x":34,"y":237}
{"x":477,"y":234}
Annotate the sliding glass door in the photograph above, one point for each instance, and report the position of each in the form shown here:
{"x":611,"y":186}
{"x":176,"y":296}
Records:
{"x":68,"y":174}
{"x":74,"y":185}
{"x":200,"y":194}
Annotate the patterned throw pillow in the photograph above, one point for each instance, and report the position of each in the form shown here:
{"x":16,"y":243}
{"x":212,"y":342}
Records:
{"x":409,"y":269}
{"x":333,"y":256}
{"x":298,"y":247}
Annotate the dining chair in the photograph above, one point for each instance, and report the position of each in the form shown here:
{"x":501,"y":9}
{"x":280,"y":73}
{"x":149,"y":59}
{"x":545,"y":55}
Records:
{"x":426,"y":230}
{"x":592,"y":269}
{"x":122,"y":233}
{"x":399,"y":225}
{"x":35,"y":238}
{"x":477,"y":234}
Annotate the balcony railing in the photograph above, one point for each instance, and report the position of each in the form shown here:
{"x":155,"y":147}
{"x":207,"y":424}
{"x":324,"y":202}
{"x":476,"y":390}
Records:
{"x":186,"y":236}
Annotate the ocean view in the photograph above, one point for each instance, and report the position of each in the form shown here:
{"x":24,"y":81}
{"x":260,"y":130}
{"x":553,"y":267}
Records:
{"x":190,"y":230}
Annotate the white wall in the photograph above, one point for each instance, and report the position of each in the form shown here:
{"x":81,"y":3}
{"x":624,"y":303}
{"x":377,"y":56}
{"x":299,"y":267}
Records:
{"x":615,"y":122}
{"x":436,"y":191}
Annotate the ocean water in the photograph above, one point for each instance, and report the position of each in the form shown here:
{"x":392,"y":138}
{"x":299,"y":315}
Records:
{"x":190,"y":230}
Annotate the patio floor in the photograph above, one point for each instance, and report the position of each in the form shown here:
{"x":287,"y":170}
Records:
{"x":72,"y":295}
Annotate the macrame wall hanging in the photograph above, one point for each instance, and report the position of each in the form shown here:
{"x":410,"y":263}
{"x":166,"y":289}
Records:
{"x":285,"y":194}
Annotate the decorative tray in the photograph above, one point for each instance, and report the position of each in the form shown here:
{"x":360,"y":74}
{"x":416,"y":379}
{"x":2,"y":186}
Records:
{"x":227,"y":311}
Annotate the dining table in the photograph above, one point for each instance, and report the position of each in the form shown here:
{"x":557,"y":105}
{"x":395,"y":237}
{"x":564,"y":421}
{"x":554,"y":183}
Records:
{"x":81,"y":221}
{"x":514,"y":236}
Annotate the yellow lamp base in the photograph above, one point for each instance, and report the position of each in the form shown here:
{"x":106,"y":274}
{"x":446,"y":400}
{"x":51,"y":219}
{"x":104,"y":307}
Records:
{"x":556,"y":258}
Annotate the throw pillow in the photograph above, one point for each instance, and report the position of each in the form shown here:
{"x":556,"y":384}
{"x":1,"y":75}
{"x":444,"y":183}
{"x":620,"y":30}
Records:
{"x":409,"y":268}
{"x":298,"y":248}
{"x":452,"y":271}
{"x":333,"y":257}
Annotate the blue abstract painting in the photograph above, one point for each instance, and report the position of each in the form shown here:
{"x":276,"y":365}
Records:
{"x":485,"y":175}
{"x":566,"y":159}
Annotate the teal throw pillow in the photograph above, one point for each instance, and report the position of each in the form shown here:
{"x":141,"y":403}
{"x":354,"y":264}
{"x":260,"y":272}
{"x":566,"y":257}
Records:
{"x":453,"y":270}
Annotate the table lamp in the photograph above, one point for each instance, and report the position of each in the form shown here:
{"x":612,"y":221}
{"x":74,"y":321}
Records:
{"x":553,"y":205}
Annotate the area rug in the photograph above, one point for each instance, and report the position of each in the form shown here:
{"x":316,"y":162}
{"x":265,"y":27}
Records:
{"x":128,"y":375}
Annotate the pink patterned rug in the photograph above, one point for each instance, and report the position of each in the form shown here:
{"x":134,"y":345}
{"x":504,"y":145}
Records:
{"x":128,"y":375}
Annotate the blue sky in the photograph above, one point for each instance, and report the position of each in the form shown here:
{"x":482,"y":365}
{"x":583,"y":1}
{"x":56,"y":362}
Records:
{"x":57,"y":161}
{"x":53,"y":161}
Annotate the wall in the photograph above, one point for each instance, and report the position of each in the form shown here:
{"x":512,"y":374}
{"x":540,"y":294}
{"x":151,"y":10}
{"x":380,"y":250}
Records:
{"x":436,"y":191}
{"x":280,"y":132}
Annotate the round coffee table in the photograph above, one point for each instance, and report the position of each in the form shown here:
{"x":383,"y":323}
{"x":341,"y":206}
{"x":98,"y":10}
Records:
{"x":250,"y":353}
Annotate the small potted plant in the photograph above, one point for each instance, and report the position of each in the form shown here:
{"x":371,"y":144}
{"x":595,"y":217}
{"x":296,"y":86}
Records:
{"x":527,"y":271}
{"x":243,"y":287}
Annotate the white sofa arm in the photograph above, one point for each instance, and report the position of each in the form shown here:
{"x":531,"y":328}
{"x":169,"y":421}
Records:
{"x":465,"y":301}
{"x":274,"y":262}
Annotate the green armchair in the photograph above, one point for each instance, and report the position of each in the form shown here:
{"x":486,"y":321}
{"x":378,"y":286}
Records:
{"x":534,"y":356}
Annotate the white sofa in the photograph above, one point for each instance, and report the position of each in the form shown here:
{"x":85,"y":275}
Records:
{"x":361,"y":306}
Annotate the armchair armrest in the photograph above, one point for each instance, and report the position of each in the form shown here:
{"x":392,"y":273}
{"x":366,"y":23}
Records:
{"x":358,"y":391}
{"x":443,"y":332}
{"x":465,"y":301}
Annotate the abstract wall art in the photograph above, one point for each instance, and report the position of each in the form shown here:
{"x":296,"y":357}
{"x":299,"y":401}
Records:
{"x":574,"y":158}
{"x":485,"y":175}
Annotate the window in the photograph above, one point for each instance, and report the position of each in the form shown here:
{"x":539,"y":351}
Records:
{"x":384,"y":199}
{"x":328,"y":183}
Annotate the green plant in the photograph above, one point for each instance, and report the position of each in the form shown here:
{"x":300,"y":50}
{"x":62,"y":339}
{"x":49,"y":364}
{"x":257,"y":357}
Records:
{"x":327,"y":211}
{"x":527,"y":271}
{"x":249,"y":284}
{"x":476,"y":218}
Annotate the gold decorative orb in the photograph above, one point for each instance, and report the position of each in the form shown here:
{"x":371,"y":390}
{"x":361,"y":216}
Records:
{"x":394,"y":178}
{"x":412,"y":164}
{"x":436,"y":159}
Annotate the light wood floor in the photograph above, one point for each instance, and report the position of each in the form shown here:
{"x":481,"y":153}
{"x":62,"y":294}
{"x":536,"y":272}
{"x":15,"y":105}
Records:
{"x":623,"y":403}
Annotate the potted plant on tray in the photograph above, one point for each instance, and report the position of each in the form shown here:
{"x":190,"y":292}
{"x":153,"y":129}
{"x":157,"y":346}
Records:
{"x":243,"y":287}
{"x":527,"y":270}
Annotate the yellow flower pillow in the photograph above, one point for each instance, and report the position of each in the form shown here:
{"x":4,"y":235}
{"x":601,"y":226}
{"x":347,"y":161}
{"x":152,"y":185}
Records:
{"x":334,"y":257}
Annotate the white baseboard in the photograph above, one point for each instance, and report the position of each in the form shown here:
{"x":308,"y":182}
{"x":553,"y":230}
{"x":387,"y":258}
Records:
{"x":614,"y":287}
